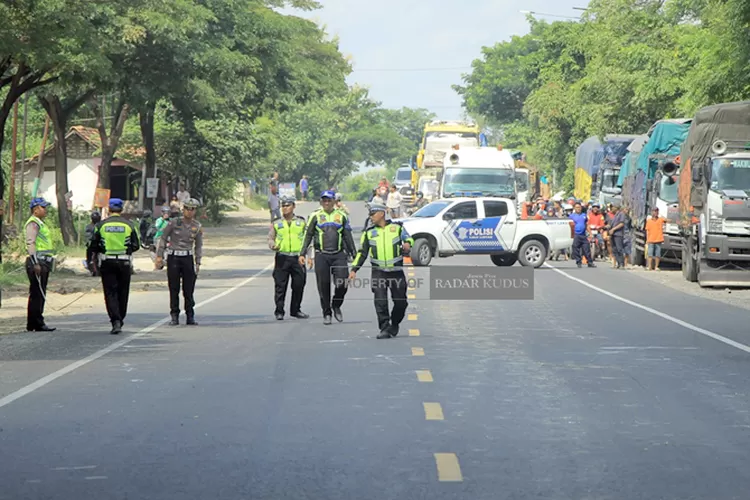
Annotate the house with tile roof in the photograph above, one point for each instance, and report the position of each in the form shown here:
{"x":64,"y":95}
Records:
{"x":83,"y":147}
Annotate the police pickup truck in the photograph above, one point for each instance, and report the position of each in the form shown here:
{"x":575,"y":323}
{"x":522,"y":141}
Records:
{"x":484,"y":226}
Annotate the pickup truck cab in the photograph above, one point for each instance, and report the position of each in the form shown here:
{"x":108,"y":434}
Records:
{"x":484,"y":226}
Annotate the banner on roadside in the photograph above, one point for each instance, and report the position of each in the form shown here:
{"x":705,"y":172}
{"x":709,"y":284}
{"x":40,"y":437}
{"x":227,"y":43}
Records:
{"x":287,"y":189}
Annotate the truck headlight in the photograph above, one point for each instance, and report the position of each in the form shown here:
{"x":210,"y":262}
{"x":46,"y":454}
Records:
{"x":715,"y":222}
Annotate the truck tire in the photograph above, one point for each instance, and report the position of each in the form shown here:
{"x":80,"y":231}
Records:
{"x":689,"y":264}
{"x":421,"y":253}
{"x":505,"y":260}
{"x":532,"y":254}
{"x":639,"y":258}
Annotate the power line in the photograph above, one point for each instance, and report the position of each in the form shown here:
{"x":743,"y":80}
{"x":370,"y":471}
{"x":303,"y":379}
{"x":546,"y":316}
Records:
{"x":412,"y":69}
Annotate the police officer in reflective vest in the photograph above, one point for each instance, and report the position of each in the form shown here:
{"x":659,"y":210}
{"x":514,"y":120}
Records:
{"x":115,"y":240}
{"x":185,"y":237}
{"x":39,"y":263}
{"x":333,"y":242}
{"x":385,"y":242}
{"x":286,"y":237}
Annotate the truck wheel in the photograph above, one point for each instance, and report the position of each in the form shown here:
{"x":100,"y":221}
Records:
{"x":506,"y":260}
{"x":532,"y":254}
{"x":689,"y":264}
{"x":638,"y":257}
{"x":421,"y":253}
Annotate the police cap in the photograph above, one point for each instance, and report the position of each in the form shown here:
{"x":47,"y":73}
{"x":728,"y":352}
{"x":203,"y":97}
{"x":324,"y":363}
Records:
{"x":116,"y":203}
{"x":288,"y":200}
{"x":38,"y":202}
{"x":377,"y":206}
{"x":191,"y":203}
{"x":327,"y":194}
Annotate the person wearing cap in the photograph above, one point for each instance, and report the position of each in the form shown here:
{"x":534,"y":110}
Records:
{"x":115,"y":240}
{"x":91,"y":261}
{"x":158,"y":229}
{"x":286,"y":237}
{"x":385,"y":242}
{"x":333,"y":243}
{"x":39,"y":263}
{"x":185,"y":237}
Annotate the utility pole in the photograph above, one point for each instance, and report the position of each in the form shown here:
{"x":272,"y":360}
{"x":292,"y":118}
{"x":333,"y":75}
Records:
{"x":40,"y":161}
{"x":23,"y":153}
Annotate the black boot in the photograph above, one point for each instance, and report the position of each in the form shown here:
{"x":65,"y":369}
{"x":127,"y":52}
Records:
{"x":175,"y":320}
{"x":191,"y":321}
{"x":393,"y":330}
{"x":385,"y":332}
{"x":116,"y":327}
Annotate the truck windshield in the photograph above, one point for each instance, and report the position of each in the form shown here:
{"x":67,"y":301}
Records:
{"x":730,"y":175}
{"x":488,"y":181}
{"x":403,"y":175}
{"x":609,"y":178}
{"x":437,"y":143}
{"x":668,"y":188}
{"x":522,"y":181}
{"x":432,"y":209}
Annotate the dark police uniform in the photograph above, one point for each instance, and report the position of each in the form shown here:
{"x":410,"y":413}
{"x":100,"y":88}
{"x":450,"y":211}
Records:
{"x":286,"y":237}
{"x":115,"y":240}
{"x":185,"y":237}
{"x":39,"y":247}
{"x":383,"y":245}
{"x":333,"y":241}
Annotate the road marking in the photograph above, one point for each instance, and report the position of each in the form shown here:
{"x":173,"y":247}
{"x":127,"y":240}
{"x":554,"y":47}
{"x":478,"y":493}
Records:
{"x":98,"y":354}
{"x":417,"y":351}
{"x":413,"y":332}
{"x":424,"y":376}
{"x":447,"y":467}
{"x":412,"y":317}
{"x":662,"y":315}
{"x":433,"y":411}
{"x":79,"y":467}
{"x":412,"y":296}
{"x":91,"y":478}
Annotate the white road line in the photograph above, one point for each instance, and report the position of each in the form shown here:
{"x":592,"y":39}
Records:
{"x":98,"y":354}
{"x":684,"y":324}
{"x":79,"y":467}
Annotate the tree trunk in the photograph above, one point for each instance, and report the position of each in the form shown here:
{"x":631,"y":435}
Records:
{"x":147,"y":133}
{"x":110,"y":140}
{"x":59,"y":119}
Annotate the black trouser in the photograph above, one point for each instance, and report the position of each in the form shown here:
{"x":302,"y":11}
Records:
{"x":581,"y":242}
{"x":37,"y":293}
{"x":181,"y":268}
{"x":116,"y":284}
{"x":286,"y":266}
{"x":618,"y":248}
{"x":395,"y":281}
{"x":327,"y":264}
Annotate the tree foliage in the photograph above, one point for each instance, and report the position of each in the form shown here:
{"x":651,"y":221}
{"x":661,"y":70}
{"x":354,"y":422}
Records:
{"x":625,"y":65}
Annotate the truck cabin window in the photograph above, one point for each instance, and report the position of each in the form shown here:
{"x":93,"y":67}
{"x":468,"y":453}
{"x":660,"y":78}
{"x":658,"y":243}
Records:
{"x":522,"y":181}
{"x":403,"y":175}
{"x":668,"y":188}
{"x":730,"y":175}
{"x":498,"y":182}
{"x":609,"y":178}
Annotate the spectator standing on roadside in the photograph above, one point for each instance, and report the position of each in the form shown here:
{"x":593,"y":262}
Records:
{"x":617,"y":234}
{"x":654,"y":239}
{"x":580,"y":241}
{"x":273,"y":203}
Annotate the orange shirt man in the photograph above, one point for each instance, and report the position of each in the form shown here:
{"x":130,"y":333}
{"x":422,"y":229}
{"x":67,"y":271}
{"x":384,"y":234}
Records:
{"x":654,"y":238}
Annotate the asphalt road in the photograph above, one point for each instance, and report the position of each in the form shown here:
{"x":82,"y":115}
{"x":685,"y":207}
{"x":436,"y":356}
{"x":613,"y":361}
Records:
{"x":605,"y":386}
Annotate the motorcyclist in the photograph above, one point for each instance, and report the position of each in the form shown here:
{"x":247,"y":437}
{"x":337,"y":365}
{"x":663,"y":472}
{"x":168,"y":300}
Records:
{"x":596,"y":226}
{"x":421,"y":201}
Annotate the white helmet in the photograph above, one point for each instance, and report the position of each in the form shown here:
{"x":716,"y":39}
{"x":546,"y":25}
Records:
{"x":338,"y":197}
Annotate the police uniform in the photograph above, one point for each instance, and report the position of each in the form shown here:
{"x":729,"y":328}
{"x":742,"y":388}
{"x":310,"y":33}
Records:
{"x":185,"y":237}
{"x":286,"y":237}
{"x":115,"y":240}
{"x":39,"y":248}
{"x":333,"y":243}
{"x":384,"y":247}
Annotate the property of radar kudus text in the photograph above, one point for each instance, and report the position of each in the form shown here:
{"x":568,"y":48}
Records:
{"x":462,"y":283}
{"x":387,"y":282}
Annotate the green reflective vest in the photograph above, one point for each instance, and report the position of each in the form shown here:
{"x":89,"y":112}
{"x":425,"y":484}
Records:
{"x":290,"y":235}
{"x":115,"y":233}
{"x":383,"y":245}
{"x":43,"y":237}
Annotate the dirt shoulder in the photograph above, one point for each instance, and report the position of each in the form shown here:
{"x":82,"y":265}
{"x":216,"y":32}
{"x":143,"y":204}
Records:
{"x":72,"y":290}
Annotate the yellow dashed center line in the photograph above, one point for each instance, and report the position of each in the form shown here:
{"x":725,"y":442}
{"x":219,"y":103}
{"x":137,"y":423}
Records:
{"x":413,"y":332}
{"x":424,"y":376}
{"x":433,"y":411}
{"x":447,"y":467}
{"x":412,"y":317}
{"x":417,"y":351}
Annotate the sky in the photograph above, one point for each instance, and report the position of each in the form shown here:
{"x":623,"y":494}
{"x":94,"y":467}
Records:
{"x":435,"y":40}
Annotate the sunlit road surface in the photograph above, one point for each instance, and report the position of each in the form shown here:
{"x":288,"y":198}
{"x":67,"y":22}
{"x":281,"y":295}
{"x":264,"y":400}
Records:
{"x":605,"y":386}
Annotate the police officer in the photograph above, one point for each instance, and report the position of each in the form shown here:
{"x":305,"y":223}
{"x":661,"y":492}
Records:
{"x":286,"y":237}
{"x":39,"y":263}
{"x":185,"y":237}
{"x":333,"y":242}
{"x":385,"y":242}
{"x":115,"y":240}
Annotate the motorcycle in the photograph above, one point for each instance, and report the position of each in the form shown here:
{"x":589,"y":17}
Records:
{"x":596,"y":243}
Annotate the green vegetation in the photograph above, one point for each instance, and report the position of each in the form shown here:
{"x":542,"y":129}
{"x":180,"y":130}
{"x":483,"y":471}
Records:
{"x":625,"y":65}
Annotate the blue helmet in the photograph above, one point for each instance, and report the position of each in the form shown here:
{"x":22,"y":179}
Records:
{"x":38,"y":202}
{"x":328,"y":194}
{"x":116,"y":203}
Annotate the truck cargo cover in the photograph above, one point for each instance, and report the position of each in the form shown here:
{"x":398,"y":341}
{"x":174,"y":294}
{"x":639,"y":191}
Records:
{"x":727,"y":122}
{"x":628,"y":163}
{"x":667,"y":136}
